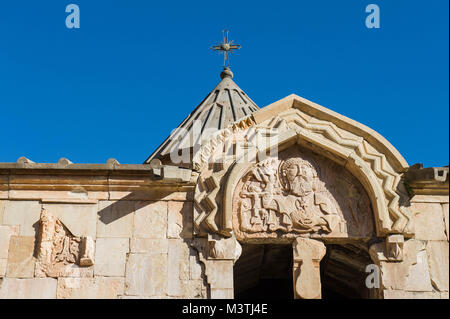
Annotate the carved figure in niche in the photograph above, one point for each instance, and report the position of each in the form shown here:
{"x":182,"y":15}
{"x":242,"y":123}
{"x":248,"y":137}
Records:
{"x":59,"y":251}
{"x":286,"y":196}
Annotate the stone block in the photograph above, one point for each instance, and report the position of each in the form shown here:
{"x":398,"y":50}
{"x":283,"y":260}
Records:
{"x":36,"y":288}
{"x":2,"y":208}
{"x":110,"y":256}
{"x":3,"y":263}
{"x":220,"y":273}
{"x":401,"y":294}
{"x":90,"y":288}
{"x":23,"y":213}
{"x":20,"y":257}
{"x":221,"y":293}
{"x":5,"y":234}
{"x":146,"y":275}
{"x":445,"y":209}
{"x":180,"y":223}
{"x":412,"y":273}
{"x":115,"y":219}
{"x":195,"y":268}
{"x":80,"y":219}
{"x":193,"y":289}
{"x":150,"y":220}
{"x":429,"y":221}
{"x":178,"y":267}
{"x":438,"y":262}
{"x":149,"y":245}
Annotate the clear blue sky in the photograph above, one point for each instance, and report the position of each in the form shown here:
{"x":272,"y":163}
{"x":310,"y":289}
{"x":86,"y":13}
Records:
{"x":117,"y":86}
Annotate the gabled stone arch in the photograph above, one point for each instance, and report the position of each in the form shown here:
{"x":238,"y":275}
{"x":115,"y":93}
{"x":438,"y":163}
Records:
{"x":299,"y":123}
{"x":362,"y":151}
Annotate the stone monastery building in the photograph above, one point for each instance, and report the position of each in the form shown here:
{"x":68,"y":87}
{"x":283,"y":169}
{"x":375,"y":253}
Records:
{"x":291,"y":200}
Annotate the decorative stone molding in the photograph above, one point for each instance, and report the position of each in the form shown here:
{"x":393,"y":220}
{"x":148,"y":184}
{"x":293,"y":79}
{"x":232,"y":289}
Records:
{"x":427,"y":181}
{"x":218,"y":256}
{"x":59,"y":252}
{"x":389,"y":251}
{"x":209,"y":149}
{"x":362,"y":151}
{"x":394,"y":247}
{"x":224,"y":248}
{"x":306,"y":268}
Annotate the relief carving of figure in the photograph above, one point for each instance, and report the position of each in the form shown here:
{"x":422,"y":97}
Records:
{"x":286,"y":196}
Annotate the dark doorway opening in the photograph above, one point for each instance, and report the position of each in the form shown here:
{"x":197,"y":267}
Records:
{"x":343,"y":274}
{"x":264,"y":271}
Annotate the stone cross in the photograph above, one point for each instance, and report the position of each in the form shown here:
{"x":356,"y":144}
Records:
{"x":226,"y":47}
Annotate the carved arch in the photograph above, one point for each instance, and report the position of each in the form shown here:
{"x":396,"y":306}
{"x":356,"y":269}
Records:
{"x":367,"y":155}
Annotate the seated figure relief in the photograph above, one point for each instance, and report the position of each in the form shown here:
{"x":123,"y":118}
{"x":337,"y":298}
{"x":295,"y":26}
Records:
{"x":288,"y":198}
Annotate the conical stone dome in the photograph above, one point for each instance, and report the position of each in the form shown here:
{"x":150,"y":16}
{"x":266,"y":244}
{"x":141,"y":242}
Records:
{"x":225,"y":104}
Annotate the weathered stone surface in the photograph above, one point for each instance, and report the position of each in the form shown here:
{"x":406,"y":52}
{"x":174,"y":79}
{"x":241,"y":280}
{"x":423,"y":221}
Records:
{"x":146,"y":275}
{"x":195,"y":268}
{"x":224,"y":248}
{"x":90,"y":288}
{"x":429,"y":221}
{"x":220,"y":274}
{"x":154,"y":194}
{"x":306,"y":268}
{"x":149,"y":245}
{"x":5,"y":234}
{"x":438,"y":262}
{"x":2,"y":207}
{"x":110,"y":256}
{"x":56,"y":196}
{"x":445,"y":209}
{"x":23,"y":213}
{"x":59,"y":253}
{"x":178,"y":267}
{"x":429,"y":199}
{"x":412,"y":273}
{"x":150,"y":220}
{"x":80,"y":219}
{"x":194,"y":289}
{"x":143,"y":297}
{"x":87,"y":251}
{"x":401,"y":294}
{"x":179,"y":220}
{"x":115,"y":218}
{"x":221,"y":293}
{"x":3,"y":263}
{"x":20,"y":257}
{"x":36,"y":288}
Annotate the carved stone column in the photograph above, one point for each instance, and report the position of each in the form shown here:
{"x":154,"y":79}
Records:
{"x":218,"y":255}
{"x":306,"y":268}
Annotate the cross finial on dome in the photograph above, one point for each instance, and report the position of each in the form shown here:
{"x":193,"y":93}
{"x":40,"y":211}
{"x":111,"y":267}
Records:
{"x":226,"y":47}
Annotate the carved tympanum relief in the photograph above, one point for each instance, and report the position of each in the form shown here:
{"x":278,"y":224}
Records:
{"x":300,"y":194}
{"x":59,"y":252}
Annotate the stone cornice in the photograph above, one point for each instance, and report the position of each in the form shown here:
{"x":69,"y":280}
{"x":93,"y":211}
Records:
{"x":67,"y":181}
{"x":427,"y":181}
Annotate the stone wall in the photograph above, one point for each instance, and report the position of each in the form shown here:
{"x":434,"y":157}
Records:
{"x":98,"y":232}
{"x":140,"y":249}
{"x":424,"y":271}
